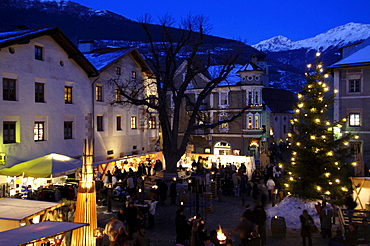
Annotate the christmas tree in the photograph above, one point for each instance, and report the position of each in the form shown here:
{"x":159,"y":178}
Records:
{"x":318,"y":165}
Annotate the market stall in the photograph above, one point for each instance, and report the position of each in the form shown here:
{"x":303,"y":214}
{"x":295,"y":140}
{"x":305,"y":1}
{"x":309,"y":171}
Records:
{"x":219,"y":160}
{"x":25,"y":177}
{"x":131,"y":162}
{"x":15,"y":213}
{"x":38,"y":234}
{"x":361,"y":192}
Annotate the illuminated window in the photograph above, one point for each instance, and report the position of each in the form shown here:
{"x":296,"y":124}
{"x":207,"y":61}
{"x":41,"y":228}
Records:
{"x":354,"y":119}
{"x":152,"y":122}
{"x":250,"y":122}
{"x":133,"y":122}
{"x":68,"y":94}
{"x":38,"y":131}
{"x":257,"y":121}
{"x":99,"y":93}
{"x":118,"y":95}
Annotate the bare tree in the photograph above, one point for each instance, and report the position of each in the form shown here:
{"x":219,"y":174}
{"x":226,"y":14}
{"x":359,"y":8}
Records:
{"x":164,"y":57}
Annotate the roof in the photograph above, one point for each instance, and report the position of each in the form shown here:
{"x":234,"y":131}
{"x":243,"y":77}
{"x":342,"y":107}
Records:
{"x":24,"y":36}
{"x":33,"y":232}
{"x":103,"y":58}
{"x":359,"y":58}
{"x":18,"y":209}
{"x":250,"y":66}
{"x":279,"y":100}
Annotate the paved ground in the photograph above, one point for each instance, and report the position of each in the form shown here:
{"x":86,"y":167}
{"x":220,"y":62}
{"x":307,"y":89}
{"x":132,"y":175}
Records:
{"x":226,"y":212}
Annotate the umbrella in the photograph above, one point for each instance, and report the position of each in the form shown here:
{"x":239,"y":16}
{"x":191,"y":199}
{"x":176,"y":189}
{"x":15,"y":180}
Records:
{"x":51,"y":165}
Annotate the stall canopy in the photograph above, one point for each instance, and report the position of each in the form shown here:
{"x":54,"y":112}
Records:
{"x":34,"y":232}
{"x":18,"y":209}
{"x":13,"y":211}
{"x":51,"y":165}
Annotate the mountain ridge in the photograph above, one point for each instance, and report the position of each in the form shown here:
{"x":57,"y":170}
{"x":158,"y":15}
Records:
{"x":336,"y":37}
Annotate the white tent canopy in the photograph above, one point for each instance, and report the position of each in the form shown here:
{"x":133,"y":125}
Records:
{"x":13,"y":211}
{"x":18,"y":209}
{"x":34,"y":232}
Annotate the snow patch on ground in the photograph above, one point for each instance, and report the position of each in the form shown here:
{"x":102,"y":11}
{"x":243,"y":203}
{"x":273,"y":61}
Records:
{"x":291,"y":208}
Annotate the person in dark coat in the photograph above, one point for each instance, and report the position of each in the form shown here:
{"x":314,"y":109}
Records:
{"x":306,"y":222}
{"x":260,"y":220}
{"x":351,"y":235}
{"x":326,"y":221}
{"x":162,"y":191}
{"x":173,"y":192}
{"x":131,"y":218}
{"x":182,"y":228}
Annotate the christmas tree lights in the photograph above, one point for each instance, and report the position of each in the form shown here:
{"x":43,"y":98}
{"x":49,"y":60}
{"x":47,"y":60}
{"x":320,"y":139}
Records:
{"x":319,"y":164}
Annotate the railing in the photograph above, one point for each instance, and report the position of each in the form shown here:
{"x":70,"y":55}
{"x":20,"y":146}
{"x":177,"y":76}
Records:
{"x":351,"y":216}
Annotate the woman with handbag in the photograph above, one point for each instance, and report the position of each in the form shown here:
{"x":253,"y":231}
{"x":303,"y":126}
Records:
{"x":306,"y":222}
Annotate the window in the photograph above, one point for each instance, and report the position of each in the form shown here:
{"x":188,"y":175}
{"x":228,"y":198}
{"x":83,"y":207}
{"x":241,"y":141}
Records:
{"x":354,"y":119}
{"x":152,"y":122}
{"x":152,"y":99}
{"x":39,"y":92}
{"x":119,"y":123}
{"x":249,"y":98}
{"x":38,"y":131}
{"x":9,"y":132}
{"x":118,"y":70}
{"x":38,"y":53}
{"x":99,"y":93}
{"x":68,"y":129}
{"x":354,"y":85}
{"x":256,"y":121}
{"x":68,"y":94}
{"x":256,"y":97}
{"x":250,"y":122}
{"x":133,"y":122}
{"x":9,"y":89}
{"x":223,"y":98}
{"x":224,"y":126}
{"x":118,"y":95}
{"x":133,"y":74}
{"x":99,"y":123}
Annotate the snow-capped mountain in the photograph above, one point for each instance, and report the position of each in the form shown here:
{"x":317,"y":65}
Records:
{"x":337,"y":37}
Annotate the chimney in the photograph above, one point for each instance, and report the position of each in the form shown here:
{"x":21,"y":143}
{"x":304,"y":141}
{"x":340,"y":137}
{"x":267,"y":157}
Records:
{"x":86,"y":46}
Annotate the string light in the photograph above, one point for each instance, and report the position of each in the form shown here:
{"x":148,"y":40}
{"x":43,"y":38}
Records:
{"x":318,"y":188}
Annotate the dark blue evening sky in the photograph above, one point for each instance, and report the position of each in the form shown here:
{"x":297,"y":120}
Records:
{"x":250,"y":20}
